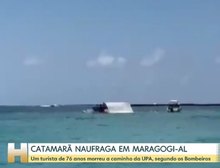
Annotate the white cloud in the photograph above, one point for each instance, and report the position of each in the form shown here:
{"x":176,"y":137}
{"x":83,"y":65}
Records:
{"x":217,"y":60}
{"x":105,"y":60}
{"x":121,"y":60}
{"x":31,"y":61}
{"x":156,"y":57}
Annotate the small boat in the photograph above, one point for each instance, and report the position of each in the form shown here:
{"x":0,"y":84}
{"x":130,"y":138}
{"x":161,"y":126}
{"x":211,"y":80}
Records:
{"x":113,"y":107}
{"x":174,"y":106}
{"x":49,"y":105}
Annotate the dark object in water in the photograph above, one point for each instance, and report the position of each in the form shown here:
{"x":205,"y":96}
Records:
{"x":113,"y":107}
{"x":100,"y":108}
{"x":174,"y":106}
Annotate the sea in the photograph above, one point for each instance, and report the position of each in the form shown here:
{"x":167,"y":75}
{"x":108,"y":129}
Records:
{"x":70,"y":124}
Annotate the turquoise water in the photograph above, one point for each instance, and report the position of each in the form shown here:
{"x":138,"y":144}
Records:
{"x":69,"y":124}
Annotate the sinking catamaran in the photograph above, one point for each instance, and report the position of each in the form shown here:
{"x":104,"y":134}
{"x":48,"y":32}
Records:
{"x":113,"y":107}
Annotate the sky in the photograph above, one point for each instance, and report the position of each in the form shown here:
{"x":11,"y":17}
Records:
{"x":90,"y":51}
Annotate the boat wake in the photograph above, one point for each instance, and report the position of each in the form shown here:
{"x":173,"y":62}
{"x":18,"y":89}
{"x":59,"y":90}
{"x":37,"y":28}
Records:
{"x":88,"y":111}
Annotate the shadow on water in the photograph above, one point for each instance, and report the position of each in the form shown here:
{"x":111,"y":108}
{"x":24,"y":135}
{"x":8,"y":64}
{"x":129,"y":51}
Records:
{"x":205,"y":117}
{"x":178,"y":127}
{"x":102,"y":125}
{"x":76,"y":138}
{"x":84,"y":118}
{"x":208,"y":140}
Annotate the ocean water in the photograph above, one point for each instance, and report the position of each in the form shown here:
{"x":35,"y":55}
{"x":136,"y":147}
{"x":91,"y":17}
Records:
{"x":69,"y":124}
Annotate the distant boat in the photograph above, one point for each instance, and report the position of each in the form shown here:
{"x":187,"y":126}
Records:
{"x":113,"y":107}
{"x":174,"y":106}
{"x":49,"y":105}
{"x":54,"y":105}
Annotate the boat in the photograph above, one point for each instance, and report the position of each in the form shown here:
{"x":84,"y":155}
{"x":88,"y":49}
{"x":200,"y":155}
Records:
{"x":113,"y":107}
{"x":174,"y":106}
{"x":49,"y":105}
